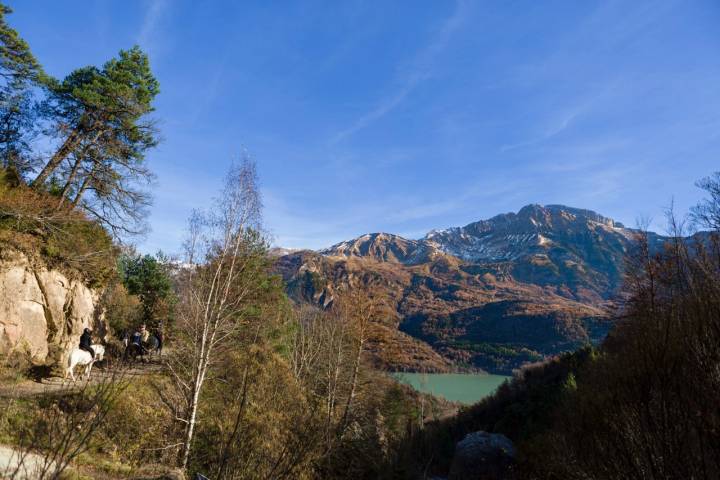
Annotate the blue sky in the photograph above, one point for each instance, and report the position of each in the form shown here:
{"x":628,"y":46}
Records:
{"x":407,"y":116}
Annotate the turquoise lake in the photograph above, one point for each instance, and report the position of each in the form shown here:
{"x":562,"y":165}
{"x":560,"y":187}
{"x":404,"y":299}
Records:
{"x":465,"y":388}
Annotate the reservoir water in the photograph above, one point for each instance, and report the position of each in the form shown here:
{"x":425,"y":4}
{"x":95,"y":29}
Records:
{"x":465,"y":388}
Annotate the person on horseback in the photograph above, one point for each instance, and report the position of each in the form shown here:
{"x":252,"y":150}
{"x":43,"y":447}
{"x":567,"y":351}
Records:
{"x":144,"y":334}
{"x":86,"y":342}
{"x":136,"y":342}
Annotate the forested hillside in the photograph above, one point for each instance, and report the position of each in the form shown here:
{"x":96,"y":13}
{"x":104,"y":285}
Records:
{"x":493,"y":295}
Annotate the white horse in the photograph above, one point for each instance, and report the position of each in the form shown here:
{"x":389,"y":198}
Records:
{"x":83,"y":358}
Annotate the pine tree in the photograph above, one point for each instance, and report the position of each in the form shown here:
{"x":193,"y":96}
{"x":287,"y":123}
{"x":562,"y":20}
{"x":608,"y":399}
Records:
{"x":20,"y":72}
{"x":100,"y":115}
{"x":147,"y":278}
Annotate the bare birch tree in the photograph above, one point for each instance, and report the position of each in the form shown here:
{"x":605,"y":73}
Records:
{"x":327,"y":355}
{"x":223,"y":251}
{"x":358,"y":307}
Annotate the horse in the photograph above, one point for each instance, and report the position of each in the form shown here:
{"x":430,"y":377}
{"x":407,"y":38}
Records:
{"x":133,"y":350}
{"x":154,"y":344}
{"x":83,"y":358}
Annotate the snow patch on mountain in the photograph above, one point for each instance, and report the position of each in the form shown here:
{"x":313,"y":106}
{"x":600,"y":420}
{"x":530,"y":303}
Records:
{"x":534,"y":229}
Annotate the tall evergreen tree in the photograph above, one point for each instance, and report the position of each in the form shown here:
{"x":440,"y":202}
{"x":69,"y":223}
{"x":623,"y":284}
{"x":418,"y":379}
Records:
{"x":19,"y":74}
{"x":100,"y":116}
{"x":149,"y":280}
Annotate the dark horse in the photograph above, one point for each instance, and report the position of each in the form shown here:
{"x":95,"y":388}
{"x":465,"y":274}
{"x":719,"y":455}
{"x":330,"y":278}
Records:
{"x":133,"y":350}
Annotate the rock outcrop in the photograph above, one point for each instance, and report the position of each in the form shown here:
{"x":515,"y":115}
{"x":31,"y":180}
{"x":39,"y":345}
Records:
{"x":42,"y":311}
{"x":483,"y":455}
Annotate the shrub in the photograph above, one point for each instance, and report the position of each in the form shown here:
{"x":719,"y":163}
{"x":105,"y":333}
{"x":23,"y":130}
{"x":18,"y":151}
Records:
{"x":33,"y":222}
{"x":137,"y":429}
{"x":122,"y":310}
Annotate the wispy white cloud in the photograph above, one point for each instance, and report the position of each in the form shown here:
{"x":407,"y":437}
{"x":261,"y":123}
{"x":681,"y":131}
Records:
{"x":557,"y":122}
{"x":201,"y":105}
{"x":402,"y":213}
{"x":420,"y":69}
{"x":480,"y":192}
{"x":152,"y":17}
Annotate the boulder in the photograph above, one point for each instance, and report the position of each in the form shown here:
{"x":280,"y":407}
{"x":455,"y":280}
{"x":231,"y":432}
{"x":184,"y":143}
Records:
{"x":42,"y":311}
{"x":483,"y":455}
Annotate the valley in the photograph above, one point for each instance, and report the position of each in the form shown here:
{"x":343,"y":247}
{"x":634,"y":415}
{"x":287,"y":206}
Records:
{"x":492,"y":295}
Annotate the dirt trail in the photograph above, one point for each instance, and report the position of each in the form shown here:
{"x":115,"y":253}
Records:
{"x":30,"y":464}
{"x":50,"y":385}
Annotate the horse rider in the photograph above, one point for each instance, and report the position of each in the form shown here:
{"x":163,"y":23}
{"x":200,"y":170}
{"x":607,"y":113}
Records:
{"x":144,"y":334}
{"x":86,"y":342}
{"x":136,"y":339}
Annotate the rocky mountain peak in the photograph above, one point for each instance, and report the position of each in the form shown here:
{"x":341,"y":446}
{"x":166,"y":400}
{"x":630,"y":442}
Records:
{"x":532,"y":231}
{"x":538,"y":218}
{"x":508,"y":236}
{"x":381,"y":246}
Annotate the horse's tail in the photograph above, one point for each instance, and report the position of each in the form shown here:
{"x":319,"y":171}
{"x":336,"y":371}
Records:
{"x":68,"y":367}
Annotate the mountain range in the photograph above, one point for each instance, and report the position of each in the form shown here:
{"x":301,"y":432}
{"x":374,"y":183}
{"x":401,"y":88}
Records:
{"x":491,"y":295}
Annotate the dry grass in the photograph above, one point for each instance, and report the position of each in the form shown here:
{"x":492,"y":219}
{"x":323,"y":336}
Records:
{"x":59,"y":236}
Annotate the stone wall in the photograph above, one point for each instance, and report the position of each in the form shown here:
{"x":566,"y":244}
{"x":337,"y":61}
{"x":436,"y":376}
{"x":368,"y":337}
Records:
{"x":42,"y":312}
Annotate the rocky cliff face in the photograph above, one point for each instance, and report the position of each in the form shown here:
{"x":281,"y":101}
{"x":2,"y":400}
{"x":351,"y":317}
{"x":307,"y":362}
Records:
{"x":42,"y":312}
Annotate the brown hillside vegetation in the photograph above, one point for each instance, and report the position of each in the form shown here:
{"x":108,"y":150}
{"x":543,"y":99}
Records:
{"x":34,"y":223}
{"x":458,"y":315}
